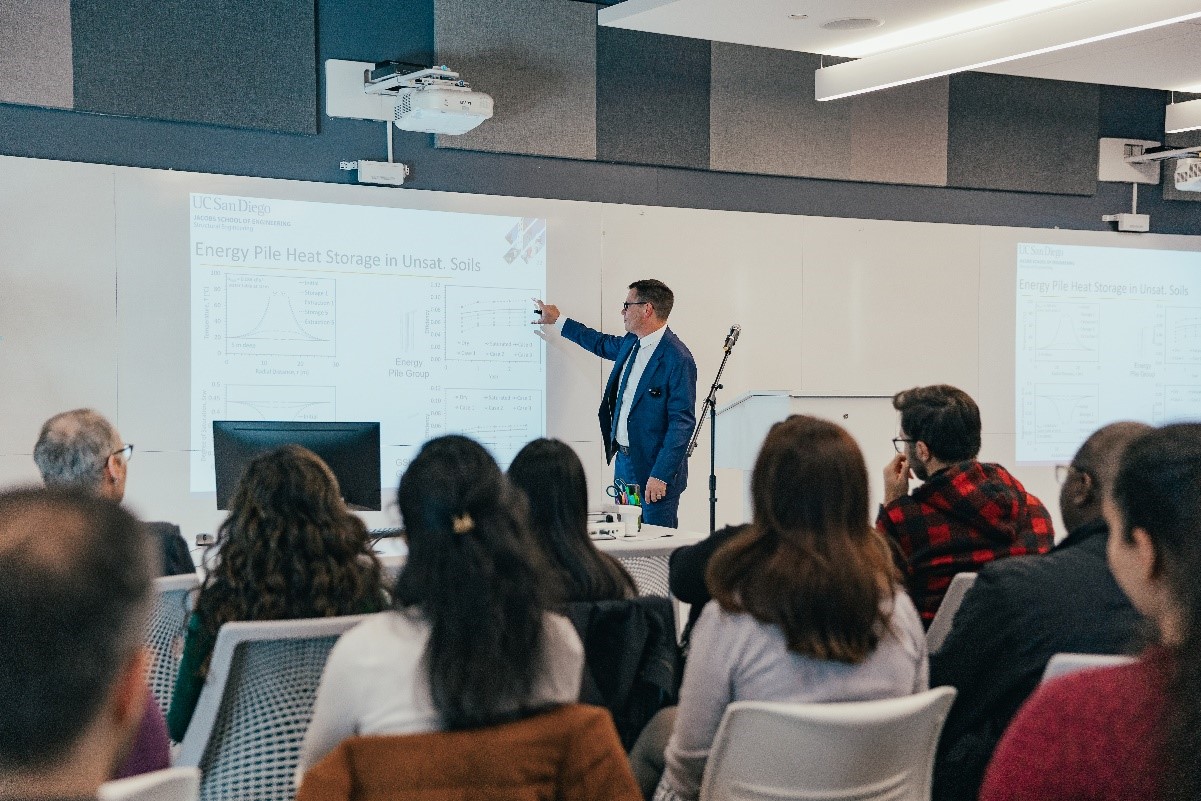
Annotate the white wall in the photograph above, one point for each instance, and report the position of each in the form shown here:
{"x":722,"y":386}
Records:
{"x":95,"y":310}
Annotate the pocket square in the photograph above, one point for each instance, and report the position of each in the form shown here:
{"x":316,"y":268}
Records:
{"x":655,"y":392}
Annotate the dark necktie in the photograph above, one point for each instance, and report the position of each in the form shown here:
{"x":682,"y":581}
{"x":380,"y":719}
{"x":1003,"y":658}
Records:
{"x":621,"y":387}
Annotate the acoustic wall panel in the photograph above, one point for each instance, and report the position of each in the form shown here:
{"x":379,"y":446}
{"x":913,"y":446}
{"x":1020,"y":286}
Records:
{"x":1022,"y":134}
{"x":35,"y":53}
{"x":764,"y":118}
{"x":652,"y":99}
{"x":899,"y":136}
{"x":246,"y":65}
{"x":538,"y":62}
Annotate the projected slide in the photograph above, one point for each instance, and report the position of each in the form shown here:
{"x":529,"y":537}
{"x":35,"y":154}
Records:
{"x":1103,"y":334}
{"x":323,"y":312}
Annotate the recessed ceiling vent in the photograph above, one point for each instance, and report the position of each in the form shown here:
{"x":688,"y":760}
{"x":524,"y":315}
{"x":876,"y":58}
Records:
{"x":852,"y":24}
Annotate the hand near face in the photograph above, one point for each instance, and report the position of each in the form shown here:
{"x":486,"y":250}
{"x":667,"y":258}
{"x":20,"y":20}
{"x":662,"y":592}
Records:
{"x":896,"y":478}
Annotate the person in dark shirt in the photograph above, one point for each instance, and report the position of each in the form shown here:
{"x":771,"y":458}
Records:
{"x":687,"y":567}
{"x":82,"y":450}
{"x":550,"y":474}
{"x":77,"y":583}
{"x":967,"y":513}
{"x":1022,"y":611}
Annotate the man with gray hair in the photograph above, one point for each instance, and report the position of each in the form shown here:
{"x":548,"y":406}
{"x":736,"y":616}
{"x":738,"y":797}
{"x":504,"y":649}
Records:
{"x":81,"y":449}
{"x":72,"y":666}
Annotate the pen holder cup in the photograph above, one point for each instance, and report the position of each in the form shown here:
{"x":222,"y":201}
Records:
{"x":631,"y":516}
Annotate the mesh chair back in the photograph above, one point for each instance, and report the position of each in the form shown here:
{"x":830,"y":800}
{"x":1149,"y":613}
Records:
{"x":172,"y":784}
{"x":173,"y":597}
{"x":864,"y":750}
{"x":256,"y":705}
{"x":944,"y":618}
{"x":649,"y":574}
{"x":1063,"y":664}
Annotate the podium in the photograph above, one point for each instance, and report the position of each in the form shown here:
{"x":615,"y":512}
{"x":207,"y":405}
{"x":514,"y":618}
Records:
{"x":743,"y":424}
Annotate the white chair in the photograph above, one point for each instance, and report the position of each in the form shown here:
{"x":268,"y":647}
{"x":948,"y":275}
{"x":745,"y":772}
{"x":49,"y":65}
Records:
{"x":1063,"y":664}
{"x":860,"y":750}
{"x":173,"y":598}
{"x":249,"y":723}
{"x":172,"y":784}
{"x":944,"y":618}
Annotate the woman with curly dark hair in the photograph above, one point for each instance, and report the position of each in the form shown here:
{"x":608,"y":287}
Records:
{"x":550,"y":474}
{"x":289,"y":549}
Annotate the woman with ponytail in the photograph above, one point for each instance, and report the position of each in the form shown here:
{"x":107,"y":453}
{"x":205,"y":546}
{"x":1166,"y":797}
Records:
{"x":470,"y":641}
{"x":807,"y":606}
{"x":1132,"y":731}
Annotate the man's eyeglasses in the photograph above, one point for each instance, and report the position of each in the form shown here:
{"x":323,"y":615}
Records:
{"x":126,"y":451}
{"x":627,"y":304}
{"x":900,"y":442}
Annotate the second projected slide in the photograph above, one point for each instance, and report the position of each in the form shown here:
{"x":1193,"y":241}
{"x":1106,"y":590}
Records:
{"x":324,"y":312}
{"x":1103,"y":334}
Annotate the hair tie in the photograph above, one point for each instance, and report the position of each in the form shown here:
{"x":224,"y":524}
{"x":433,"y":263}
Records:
{"x":463,"y":524}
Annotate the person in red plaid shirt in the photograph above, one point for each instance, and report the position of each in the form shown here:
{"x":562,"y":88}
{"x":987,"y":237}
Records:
{"x":967,"y":513}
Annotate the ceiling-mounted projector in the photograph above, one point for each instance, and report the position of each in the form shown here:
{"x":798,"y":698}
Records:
{"x":1188,"y":175}
{"x":429,"y":100}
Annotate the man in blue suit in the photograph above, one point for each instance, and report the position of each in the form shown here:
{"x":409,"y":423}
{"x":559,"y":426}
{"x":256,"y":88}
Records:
{"x":648,"y":411}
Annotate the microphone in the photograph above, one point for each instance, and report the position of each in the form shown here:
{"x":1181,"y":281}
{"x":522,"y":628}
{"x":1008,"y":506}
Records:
{"x":732,"y":337}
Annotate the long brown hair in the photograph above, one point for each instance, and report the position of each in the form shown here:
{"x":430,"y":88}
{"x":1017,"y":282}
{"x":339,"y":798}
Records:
{"x":1156,"y":490}
{"x":289,"y":549}
{"x":810,"y":562}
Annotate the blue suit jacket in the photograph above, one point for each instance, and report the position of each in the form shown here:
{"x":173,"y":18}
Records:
{"x":663,"y":411}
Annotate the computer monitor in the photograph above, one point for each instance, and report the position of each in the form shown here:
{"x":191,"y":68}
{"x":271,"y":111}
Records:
{"x":350,"y":449}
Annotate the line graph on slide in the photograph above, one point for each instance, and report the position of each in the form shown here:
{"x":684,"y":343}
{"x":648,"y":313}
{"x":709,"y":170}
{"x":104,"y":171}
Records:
{"x":314,"y":404}
{"x":1182,"y":335}
{"x":1067,"y":332}
{"x":271,"y":315}
{"x":490,"y":324}
{"x":502,"y":419}
{"x":1062,"y":413}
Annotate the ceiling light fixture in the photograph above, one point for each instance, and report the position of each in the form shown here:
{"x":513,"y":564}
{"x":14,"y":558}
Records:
{"x":1044,"y":32}
{"x":1181,"y":117}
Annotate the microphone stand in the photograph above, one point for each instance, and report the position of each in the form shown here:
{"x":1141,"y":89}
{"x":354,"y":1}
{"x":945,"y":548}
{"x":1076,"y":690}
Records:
{"x":710,"y":406}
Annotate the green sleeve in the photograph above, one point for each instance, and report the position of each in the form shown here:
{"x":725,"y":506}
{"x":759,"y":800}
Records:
{"x":188,"y":684}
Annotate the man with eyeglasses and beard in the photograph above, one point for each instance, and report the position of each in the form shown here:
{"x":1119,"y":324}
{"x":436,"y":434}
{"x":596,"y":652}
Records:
{"x":967,"y":513}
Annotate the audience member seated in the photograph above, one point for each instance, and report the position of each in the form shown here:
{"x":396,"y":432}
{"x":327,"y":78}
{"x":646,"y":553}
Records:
{"x":1022,"y":611}
{"x":967,"y":513}
{"x":807,"y":604}
{"x":471,"y":641}
{"x":552,"y":478}
{"x":1132,"y":731}
{"x":686,"y":572}
{"x":75,"y":592}
{"x":570,"y":753}
{"x":289,"y":549}
{"x":81,"y":449}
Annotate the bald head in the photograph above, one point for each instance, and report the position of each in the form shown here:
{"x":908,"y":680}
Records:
{"x":76,"y":575}
{"x":76,"y":450}
{"x":1094,"y":468}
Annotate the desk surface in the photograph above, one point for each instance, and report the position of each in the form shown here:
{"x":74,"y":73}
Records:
{"x":652,"y":541}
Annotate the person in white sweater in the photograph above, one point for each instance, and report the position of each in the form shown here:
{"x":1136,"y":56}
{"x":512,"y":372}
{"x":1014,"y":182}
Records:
{"x":807,"y":604}
{"x":470,"y":641}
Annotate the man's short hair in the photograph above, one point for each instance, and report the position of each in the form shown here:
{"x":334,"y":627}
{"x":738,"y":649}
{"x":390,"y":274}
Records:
{"x":943,"y":417}
{"x":73,"y":449}
{"x":657,"y":294}
{"x":75,"y":578}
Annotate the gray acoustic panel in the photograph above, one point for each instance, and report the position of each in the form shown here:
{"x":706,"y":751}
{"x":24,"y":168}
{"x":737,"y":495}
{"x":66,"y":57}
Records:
{"x":35,"y":53}
{"x":764,"y":119}
{"x":899,"y":136}
{"x":1022,"y":134}
{"x":247,"y":65}
{"x":538,"y":62}
{"x":652,"y":99}
{"x":1186,"y":139}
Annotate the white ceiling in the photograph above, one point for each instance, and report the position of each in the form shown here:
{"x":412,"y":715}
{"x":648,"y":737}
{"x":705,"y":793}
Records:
{"x":1168,"y":57}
